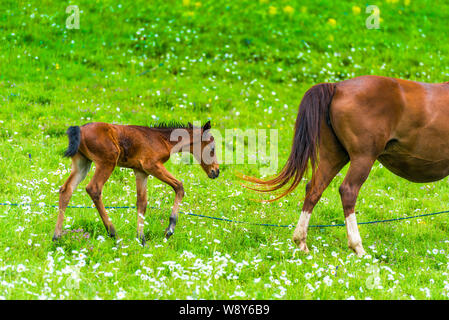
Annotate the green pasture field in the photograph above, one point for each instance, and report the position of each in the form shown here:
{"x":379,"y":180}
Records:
{"x":244,"y":65}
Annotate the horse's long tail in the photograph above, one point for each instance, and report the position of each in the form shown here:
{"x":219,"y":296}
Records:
{"x":74,"y":134}
{"x":314,"y":105}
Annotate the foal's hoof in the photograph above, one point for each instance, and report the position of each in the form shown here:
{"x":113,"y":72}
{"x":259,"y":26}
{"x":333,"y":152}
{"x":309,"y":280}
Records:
{"x":56,"y":237}
{"x":111,"y":231}
{"x":169,"y":232}
{"x":142,"y":240}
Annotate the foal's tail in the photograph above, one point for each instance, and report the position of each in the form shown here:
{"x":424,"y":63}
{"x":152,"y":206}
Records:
{"x":74,"y":134}
{"x":314,"y":105}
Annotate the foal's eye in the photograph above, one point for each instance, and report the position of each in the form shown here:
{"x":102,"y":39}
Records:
{"x":212,"y":149}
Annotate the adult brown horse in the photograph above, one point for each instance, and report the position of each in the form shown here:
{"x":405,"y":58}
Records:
{"x":402,"y":124}
{"x":143,"y":149}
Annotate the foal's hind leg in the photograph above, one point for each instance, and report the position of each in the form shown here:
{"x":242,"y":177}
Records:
{"x":330,"y":164}
{"x":358,"y":172}
{"x":80,"y":168}
{"x":102,"y":173}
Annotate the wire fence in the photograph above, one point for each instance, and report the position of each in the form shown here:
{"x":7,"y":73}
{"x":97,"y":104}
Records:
{"x":226,"y":219}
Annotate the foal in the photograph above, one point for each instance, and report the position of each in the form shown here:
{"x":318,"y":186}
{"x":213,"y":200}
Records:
{"x":143,"y":149}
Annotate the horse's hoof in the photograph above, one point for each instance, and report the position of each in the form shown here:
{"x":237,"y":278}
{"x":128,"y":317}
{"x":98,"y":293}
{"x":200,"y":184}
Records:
{"x":303,"y":247}
{"x":55,"y":238}
{"x":359,"y":251}
{"x":300,"y":243}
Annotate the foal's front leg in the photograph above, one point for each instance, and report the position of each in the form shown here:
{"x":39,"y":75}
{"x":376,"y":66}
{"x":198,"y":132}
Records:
{"x":162,"y":174}
{"x":141,"y":184}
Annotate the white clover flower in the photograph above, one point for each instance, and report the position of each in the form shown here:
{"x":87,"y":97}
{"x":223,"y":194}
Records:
{"x":121,"y":294}
{"x":21,"y":268}
{"x":327,"y":280}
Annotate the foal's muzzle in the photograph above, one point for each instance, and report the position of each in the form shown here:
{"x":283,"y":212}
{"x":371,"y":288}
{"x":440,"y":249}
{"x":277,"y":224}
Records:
{"x":214,"y":173}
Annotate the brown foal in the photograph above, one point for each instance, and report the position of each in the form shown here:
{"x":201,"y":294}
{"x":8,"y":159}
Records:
{"x":402,"y":124}
{"x":143,"y":149}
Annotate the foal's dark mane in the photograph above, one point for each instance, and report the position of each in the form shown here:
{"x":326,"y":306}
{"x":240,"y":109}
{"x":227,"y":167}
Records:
{"x":165,"y":127}
{"x":169,"y":125}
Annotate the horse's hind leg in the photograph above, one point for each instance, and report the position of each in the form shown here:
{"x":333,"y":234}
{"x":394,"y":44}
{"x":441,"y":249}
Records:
{"x":358,"y":172}
{"x":102,"y":173}
{"x":331,"y":162}
{"x":80,"y":168}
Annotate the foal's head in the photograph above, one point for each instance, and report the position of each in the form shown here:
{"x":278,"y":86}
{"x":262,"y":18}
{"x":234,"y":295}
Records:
{"x":203,"y":149}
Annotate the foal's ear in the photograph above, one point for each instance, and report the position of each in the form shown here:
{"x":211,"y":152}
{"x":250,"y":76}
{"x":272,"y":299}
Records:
{"x":189,"y":125}
{"x":207,"y":126}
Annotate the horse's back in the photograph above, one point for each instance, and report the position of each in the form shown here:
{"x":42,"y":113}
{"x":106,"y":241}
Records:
{"x":124,"y":145}
{"x":366,"y":108}
{"x":404,"y":124}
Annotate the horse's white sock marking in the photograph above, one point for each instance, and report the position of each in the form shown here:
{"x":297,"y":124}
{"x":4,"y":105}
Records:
{"x":354,"y":240}
{"x":300,"y":233}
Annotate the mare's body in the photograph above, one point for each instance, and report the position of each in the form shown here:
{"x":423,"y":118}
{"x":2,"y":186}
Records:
{"x":402,"y":124}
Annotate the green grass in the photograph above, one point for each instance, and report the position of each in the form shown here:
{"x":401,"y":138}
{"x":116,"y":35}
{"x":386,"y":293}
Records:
{"x":241,"y":67}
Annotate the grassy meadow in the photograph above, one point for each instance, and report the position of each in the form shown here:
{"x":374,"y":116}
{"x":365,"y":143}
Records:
{"x":244,"y":65}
